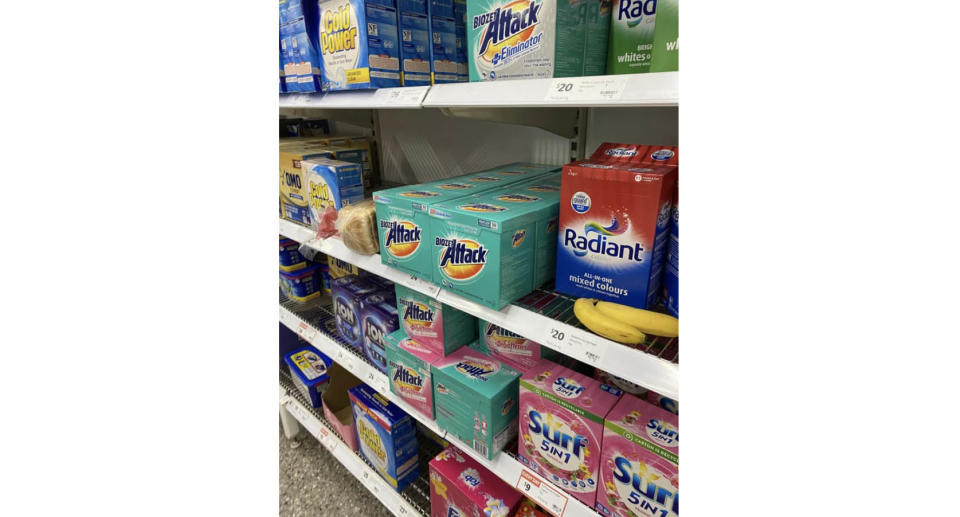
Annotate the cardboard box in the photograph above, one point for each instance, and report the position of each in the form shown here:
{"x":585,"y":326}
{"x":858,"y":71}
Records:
{"x":336,"y":404}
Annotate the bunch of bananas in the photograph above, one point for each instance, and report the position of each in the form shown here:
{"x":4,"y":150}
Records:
{"x":622,"y":323}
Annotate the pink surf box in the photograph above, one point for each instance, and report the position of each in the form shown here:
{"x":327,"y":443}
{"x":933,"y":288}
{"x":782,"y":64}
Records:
{"x":460,"y":486}
{"x":561,"y":426}
{"x":639,"y":462}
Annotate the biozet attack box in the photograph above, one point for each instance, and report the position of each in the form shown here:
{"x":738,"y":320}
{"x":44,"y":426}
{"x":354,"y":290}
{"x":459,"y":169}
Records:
{"x":359,"y":44}
{"x":613,"y":231}
{"x":435,"y":325}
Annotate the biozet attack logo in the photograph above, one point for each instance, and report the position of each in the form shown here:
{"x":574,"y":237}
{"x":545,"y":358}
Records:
{"x":461,"y":259}
{"x":402,"y":239}
{"x":481,"y":207}
{"x":510,"y":31}
{"x":476,"y":367}
{"x":417,"y":314}
{"x":454,"y":186}
{"x":503,"y":340}
{"x":517,"y":198}
{"x":419,"y":193}
{"x":602,"y":243}
{"x":518,"y":238}
{"x":408,"y":379}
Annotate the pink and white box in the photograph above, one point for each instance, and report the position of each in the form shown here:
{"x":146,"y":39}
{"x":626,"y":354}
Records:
{"x":461,"y":487}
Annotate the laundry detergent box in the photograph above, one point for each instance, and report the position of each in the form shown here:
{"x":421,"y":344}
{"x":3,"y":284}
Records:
{"x":460,"y":31}
{"x":378,"y":318}
{"x":341,"y":268}
{"x":546,"y":187}
{"x":348,"y":294}
{"x":359,"y":44}
{"x":308,"y":368}
{"x":530,"y":39}
{"x":386,"y":435}
{"x":416,"y":43}
{"x":331,"y":184}
{"x":561,"y":426}
{"x":509,"y":348}
{"x":445,"y":57}
{"x":460,"y":486}
{"x":294,"y":190}
{"x":298,"y":29}
{"x":639,"y":462}
{"x":643,"y":37}
{"x":637,"y":154}
{"x":596,"y":42}
{"x":435,"y":325}
{"x":613,"y":231}
{"x":475,"y":397}
{"x":666,"y":37}
{"x":408,"y":371}
{"x":671,"y":274}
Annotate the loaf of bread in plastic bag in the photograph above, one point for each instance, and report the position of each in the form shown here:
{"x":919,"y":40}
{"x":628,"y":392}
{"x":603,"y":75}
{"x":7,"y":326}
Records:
{"x":357,"y":225}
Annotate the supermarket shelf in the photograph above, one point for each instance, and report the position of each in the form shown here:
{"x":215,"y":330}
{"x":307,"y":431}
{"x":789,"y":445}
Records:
{"x":654,"y":369}
{"x":415,"y":498}
{"x":312,"y":323}
{"x":383,"y":98}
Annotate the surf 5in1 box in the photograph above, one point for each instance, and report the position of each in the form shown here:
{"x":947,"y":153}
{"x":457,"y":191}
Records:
{"x":476,"y":399}
{"x":639,"y":462}
{"x":386,"y":435}
{"x":435,"y":325}
{"x":613,"y":231}
{"x":461,"y":486}
{"x":408,"y":370}
{"x":528,"y":39}
{"x":561,"y":426}
{"x":378,"y":318}
{"x":308,"y":368}
{"x":359,"y":44}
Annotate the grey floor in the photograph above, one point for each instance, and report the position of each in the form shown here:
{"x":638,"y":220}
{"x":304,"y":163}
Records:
{"x":314,"y":483}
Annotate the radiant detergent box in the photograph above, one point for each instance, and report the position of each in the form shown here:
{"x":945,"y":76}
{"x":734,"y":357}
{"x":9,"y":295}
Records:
{"x":666,"y":37}
{"x":294,"y":191}
{"x":632,"y":29}
{"x":416,"y":43}
{"x":613,"y":231}
{"x":511,"y":349}
{"x":331,"y":183}
{"x":637,"y":154}
{"x":561,"y":426}
{"x":639,"y":462}
{"x":378,"y":318}
{"x":308,"y":368}
{"x":484,"y":247}
{"x":476,"y":399}
{"x":460,"y":487}
{"x":436,"y":326}
{"x":408,"y":370}
{"x":348,"y":294}
{"x":359,"y":44}
{"x":671,"y":275}
{"x":510,"y":39}
{"x":386,"y":435}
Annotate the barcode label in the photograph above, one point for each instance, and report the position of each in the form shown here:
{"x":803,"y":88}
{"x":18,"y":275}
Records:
{"x":480,"y":447}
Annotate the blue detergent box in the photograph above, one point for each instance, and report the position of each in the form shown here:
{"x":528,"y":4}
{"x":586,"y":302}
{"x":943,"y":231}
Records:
{"x":460,"y":31}
{"x":386,"y":435}
{"x":378,"y":318}
{"x":298,"y":20}
{"x":416,"y":43}
{"x":348,"y":293}
{"x":442,"y":8}
{"x":331,"y":183}
{"x":359,"y":44}
{"x":308,"y":368}
{"x":444,"y":49}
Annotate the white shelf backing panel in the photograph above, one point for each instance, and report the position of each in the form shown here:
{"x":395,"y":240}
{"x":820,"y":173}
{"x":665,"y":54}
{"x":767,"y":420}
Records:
{"x":504,"y":466}
{"x":655,"y":370}
{"x":383,"y":98}
{"x":655,"y":89}
{"x":409,"y":503}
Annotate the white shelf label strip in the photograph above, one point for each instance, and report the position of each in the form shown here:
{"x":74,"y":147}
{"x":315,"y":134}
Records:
{"x":587,"y":89}
{"x":542,"y":492}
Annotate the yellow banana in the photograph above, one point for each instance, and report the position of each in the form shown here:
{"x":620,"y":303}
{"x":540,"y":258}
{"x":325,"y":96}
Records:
{"x":587,"y":313}
{"x":647,"y":321}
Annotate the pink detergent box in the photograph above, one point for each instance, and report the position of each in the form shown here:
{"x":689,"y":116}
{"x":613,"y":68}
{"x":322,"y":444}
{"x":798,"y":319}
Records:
{"x":639,"y":462}
{"x":461,"y":487}
{"x":561,"y":426}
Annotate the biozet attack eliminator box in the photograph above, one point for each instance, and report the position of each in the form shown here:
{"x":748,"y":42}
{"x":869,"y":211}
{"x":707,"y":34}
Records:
{"x":613,"y":231}
{"x":460,"y":487}
{"x":435,"y":325}
{"x":525,"y":39}
{"x":476,"y":399}
{"x":639,"y":462}
{"x":561,"y":426}
{"x":359,"y":44}
{"x":509,"y":348}
{"x":408,"y":371}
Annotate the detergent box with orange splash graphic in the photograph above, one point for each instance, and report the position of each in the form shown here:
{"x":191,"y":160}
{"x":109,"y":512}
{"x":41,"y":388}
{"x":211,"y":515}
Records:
{"x":640,"y":460}
{"x":546,"y":186}
{"x":408,"y":371}
{"x":525,"y":39}
{"x":509,"y":348}
{"x":475,"y":397}
{"x":612,"y":236}
{"x":460,"y":487}
{"x":387,"y":436}
{"x":484,"y":247}
{"x":435,"y":325}
{"x":561,"y":426}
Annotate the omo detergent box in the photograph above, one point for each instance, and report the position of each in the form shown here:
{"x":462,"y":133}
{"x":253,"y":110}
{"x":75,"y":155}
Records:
{"x":637,"y":154}
{"x":561,"y":426}
{"x":509,"y":348}
{"x":308,"y":368}
{"x":294,"y":191}
{"x":359,"y":44}
{"x":416,"y":43}
{"x":639,"y":462}
{"x":529,"y":39}
{"x":331,"y":183}
{"x":433,"y":324}
{"x":378,"y":318}
{"x":613,"y":231}
{"x":408,"y":370}
{"x":476,"y":399}
{"x":460,"y":487}
{"x":386,"y":435}
{"x":348,"y":293}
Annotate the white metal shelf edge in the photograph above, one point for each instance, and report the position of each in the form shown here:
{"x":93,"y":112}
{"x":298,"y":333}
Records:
{"x":504,"y":466}
{"x":383,"y":98}
{"x":633,"y":365}
{"x":367,"y":476}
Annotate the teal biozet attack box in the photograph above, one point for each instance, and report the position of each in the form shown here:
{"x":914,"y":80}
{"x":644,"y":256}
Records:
{"x":475,"y":398}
